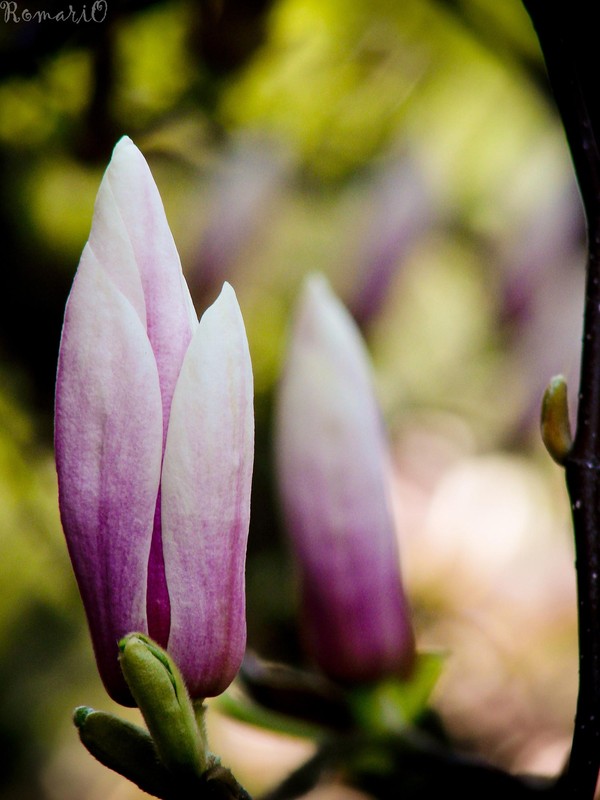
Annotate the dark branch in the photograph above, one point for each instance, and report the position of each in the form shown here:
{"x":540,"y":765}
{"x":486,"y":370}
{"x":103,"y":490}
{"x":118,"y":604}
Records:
{"x":411,"y":767}
{"x":568,"y":37}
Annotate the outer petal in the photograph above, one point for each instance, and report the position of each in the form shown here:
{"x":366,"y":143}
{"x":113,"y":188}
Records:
{"x":332,"y":467}
{"x":132,"y":240}
{"x":108,"y":442}
{"x":206,"y":485}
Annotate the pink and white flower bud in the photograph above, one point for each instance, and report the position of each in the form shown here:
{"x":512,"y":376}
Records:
{"x":154,"y":442}
{"x":333,"y":468}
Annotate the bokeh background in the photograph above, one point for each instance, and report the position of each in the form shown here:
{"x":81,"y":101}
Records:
{"x":411,"y":152}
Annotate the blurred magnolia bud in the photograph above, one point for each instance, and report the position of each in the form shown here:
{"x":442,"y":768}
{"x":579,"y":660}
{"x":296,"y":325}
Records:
{"x":333,"y":469}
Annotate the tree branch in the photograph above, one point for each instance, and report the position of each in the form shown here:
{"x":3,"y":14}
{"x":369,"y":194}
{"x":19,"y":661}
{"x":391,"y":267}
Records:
{"x":568,"y":38}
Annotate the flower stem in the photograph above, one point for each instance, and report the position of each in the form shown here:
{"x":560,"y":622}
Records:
{"x":568,"y":39}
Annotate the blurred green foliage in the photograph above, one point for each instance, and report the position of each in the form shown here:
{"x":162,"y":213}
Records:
{"x":29,"y":529}
{"x":275,"y":129}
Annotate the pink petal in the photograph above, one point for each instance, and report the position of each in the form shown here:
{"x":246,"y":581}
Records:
{"x":132,"y":240}
{"x":108,"y":442}
{"x":332,"y":465}
{"x":206,"y":500}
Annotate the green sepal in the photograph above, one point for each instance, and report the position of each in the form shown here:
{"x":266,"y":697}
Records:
{"x":161,"y":695}
{"x":125,"y":748}
{"x":391,"y":705}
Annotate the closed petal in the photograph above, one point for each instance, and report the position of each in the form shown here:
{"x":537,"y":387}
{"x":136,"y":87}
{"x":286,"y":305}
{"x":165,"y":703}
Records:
{"x":108,"y":440}
{"x":132,"y":240}
{"x":206,"y":500}
{"x":333,"y":471}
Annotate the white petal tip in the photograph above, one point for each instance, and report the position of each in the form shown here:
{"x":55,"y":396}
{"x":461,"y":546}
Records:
{"x":227,"y":290}
{"x":125,"y":149}
{"x":123,"y":142}
{"x":318,"y":297}
{"x":227,"y":299}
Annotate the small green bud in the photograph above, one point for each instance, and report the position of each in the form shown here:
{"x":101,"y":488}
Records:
{"x":124,"y":748}
{"x":556,"y":428}
{"x":161,"y":695}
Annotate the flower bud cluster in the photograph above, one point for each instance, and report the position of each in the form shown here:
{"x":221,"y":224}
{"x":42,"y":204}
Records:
{"x":154,"y":451}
